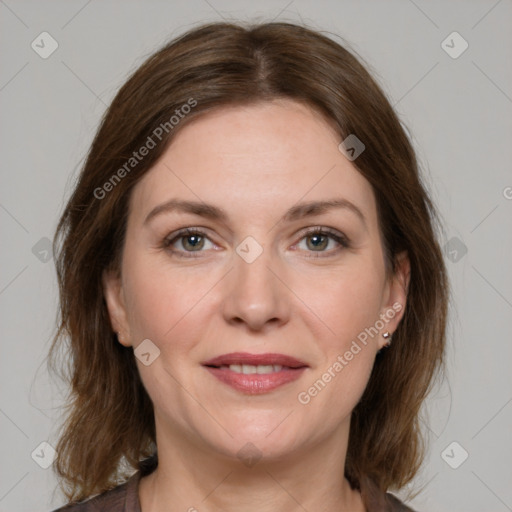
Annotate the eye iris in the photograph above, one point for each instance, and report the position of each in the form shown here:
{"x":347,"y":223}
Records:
{"x":198,"y":240}
{"x":317,"y":237}
{"x":195,"y":242}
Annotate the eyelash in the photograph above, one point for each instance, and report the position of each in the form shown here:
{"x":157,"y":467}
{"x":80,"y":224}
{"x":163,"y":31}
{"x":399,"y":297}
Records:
{"x":342,"y":240}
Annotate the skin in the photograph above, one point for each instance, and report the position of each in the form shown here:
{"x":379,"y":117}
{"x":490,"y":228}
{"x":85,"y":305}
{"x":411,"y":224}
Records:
{"x":255,"y":162}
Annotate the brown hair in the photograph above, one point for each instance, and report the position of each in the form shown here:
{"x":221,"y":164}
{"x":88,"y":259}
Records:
{"x":109,"y":421}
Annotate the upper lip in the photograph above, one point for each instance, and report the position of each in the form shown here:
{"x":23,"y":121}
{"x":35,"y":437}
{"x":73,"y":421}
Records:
{"x":255,"y":359}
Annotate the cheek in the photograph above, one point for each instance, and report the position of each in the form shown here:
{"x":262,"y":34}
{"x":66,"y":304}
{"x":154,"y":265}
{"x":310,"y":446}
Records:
{"x":166,"y":307}
{"x":345,"y":302}
{"x":162,"y":302}
{"x":339,"y":380}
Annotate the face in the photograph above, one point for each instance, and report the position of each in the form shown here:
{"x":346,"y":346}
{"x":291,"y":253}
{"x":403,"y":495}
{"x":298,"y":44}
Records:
{"x":254,"y":277}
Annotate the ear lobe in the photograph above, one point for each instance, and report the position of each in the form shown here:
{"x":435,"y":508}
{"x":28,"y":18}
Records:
{"x":113,"y":293}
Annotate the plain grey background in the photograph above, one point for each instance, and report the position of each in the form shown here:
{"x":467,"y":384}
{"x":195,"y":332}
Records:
{"x":458,"y":110}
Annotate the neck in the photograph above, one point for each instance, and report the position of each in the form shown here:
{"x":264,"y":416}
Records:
{"x":189,"y":479}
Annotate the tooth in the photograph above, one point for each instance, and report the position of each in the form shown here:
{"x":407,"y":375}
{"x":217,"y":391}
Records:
{"x":249,"y":368}
{"x":261,"y":369}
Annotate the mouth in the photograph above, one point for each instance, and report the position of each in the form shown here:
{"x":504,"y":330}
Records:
{"x":255,"y":373}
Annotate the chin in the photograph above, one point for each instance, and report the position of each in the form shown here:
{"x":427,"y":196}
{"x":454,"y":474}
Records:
{"x":251,"y":451}
{"x":262,"y":435}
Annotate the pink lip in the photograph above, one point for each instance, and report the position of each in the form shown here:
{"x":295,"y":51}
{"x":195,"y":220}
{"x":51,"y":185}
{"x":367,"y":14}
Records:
{"x":254,"y":383}
{"x":255,"y":359}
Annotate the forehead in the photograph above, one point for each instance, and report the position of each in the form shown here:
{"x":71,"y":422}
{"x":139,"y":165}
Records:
{"x":255,"y":158}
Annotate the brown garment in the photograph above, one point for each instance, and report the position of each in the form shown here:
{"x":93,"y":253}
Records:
{"x":125,"y":498}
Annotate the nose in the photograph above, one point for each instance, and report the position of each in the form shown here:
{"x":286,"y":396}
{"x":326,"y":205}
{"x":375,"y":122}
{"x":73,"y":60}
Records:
{"x":256,"y":295}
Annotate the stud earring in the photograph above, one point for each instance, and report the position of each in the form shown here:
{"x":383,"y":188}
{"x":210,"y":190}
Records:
{"x":387,"y":336}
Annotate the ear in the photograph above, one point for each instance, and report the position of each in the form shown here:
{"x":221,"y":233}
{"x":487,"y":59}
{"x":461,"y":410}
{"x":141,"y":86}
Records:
{"x":395,"y":295}
{"x":113,"y":292}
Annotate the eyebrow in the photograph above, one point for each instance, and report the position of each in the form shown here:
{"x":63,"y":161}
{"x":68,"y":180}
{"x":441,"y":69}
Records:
{"x":213,"y":212}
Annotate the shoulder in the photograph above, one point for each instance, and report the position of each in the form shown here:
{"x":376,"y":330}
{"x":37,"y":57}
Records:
{"x":376,"y":500}
{"x":395,"y":505}
{"x":123,"y":498}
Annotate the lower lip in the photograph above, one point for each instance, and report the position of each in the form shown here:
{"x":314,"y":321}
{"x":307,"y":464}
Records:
{"x":254,"y":383}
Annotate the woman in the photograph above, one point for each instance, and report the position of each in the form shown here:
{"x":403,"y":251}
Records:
{"x":251,"y":285}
